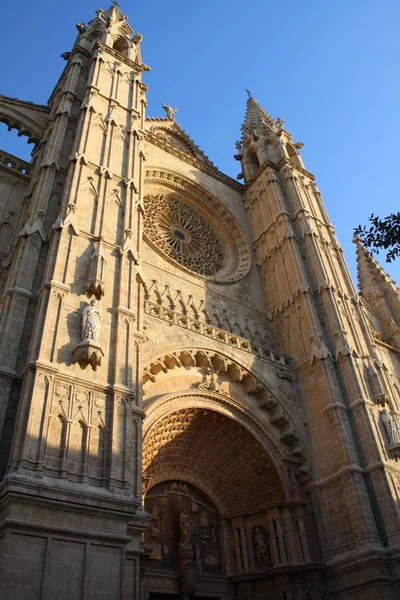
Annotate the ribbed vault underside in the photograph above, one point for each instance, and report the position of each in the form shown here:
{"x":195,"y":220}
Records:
{"x":217,"y":454}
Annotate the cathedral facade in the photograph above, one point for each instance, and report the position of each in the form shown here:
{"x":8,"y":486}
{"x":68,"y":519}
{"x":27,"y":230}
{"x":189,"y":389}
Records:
{"x":195,"y":402}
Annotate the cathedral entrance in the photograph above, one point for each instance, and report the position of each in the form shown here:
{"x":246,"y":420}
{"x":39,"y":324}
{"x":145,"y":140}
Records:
{"x":184,"y":536}
{"x":220,"y":511}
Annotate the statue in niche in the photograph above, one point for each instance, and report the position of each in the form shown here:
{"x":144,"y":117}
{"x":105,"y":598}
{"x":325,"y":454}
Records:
{"x":391,"y":426}
{"x":169,"y":111}
{"x":186,"y":529}
{"x":204,"y":520}
{"x":91,"y":317}
{"x":154,"y":527}
{"x":88,"y":350}
{"x":260,"y":543}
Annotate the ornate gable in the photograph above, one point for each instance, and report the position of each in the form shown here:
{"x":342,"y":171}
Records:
{"x":172,"y":138}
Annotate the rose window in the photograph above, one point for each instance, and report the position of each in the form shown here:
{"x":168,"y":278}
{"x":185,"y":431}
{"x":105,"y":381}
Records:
{"x":183,"y":235}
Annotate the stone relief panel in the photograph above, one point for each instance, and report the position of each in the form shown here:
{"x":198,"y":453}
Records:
{"x":77,"y":436}
{"x":184,"y":308}
{"x":184,"y":528}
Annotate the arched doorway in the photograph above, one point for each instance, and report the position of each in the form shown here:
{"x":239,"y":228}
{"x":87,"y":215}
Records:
{"x":222,"y":517}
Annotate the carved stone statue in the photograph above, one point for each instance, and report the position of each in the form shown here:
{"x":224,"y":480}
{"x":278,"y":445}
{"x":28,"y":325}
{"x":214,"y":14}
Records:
{"x":91,"y":317}
{"x":186,"y":529}
{"x":261,"y":548}
{"x":213,"y":384}
{"x":170,"y":112}
{"x":392,"y":427}
{"x":88,"y":350}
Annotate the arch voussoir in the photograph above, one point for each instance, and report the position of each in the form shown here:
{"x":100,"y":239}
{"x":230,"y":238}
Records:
{"x":216,"y":374}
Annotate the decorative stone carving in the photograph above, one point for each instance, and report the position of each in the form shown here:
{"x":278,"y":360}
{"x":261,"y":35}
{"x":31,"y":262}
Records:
{"x":237,"y":252}
{"x":260,"y":545}
{"x":91,"y":317}
{"x":96,"y":274}
{"x":155,"y":526}
{"x":213,"y":384}
{"x":183,"y":235}
{"x":186,"y":530}
{"x":169,"y":111}
{"x":376,"y":385}
{"x":88,"y":351}
{"x":392,"y":428}
{"x":35,"y":227}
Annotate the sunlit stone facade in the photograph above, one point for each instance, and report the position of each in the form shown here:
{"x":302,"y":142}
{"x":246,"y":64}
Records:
{"x":195,"y":402}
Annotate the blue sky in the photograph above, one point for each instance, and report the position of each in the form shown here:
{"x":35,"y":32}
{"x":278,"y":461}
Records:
{"x":329,"y":69}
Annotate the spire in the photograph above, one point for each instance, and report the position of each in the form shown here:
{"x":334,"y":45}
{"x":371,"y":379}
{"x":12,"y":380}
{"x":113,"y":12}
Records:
{"x":263,"y":139}
{"x":370,"y":273}
{"x":378,"y":289}
{"x":115,"y":15}
{"x":256,"y":119}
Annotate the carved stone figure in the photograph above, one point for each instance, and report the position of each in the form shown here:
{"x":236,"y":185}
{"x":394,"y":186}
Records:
{"x":91,"y":317}
{"x":213,"y":384}
{"x":392,"y":427}
{"x":169,"y":111}
{"x":261,"y":548}
{"x":155,"y":526}
{"x":89,"y":350}
{"x":186,"y":529}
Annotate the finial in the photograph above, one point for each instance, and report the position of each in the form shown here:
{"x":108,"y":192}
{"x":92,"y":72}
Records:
{"x":169,"y":111}
{"x":250,"y":95}
{"x":115,"y":3}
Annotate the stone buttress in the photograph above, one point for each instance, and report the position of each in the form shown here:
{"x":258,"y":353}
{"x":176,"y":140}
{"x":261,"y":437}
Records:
{"x":74,"y":472}
{"x":319,"y":320}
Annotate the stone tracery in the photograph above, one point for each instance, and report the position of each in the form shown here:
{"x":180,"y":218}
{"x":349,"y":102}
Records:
{"x":225,"y":241}
{"x":183,"y":235}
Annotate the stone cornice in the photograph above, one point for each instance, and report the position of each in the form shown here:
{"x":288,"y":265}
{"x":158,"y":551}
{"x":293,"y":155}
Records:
{"x":277,"y":167}
{"x":211,"y":332}
{"x":139,"y":68}
{"x":387,"y":346}
{"x":344,"y":471}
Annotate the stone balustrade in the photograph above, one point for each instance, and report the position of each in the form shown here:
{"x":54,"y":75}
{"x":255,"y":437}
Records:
{"x":16,"y":164}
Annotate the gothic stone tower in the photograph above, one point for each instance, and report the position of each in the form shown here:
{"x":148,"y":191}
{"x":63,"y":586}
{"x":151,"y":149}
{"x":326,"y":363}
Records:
{"x":164,"y":433}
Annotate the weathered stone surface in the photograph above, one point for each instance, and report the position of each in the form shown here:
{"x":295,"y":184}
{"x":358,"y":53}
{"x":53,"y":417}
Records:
{"x":251,"y":398}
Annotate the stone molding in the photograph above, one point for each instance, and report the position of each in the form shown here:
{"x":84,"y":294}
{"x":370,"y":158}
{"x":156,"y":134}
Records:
{"x":237,"y":248}
{"x":268,"y":403}
{"x":208,"y":168}
{"x":173,"y":317}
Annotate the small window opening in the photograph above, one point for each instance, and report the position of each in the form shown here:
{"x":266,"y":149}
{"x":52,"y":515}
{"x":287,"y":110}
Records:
{"x":119,"y":46}
{"x":292,"y":154}
{"x":253,"y":163}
